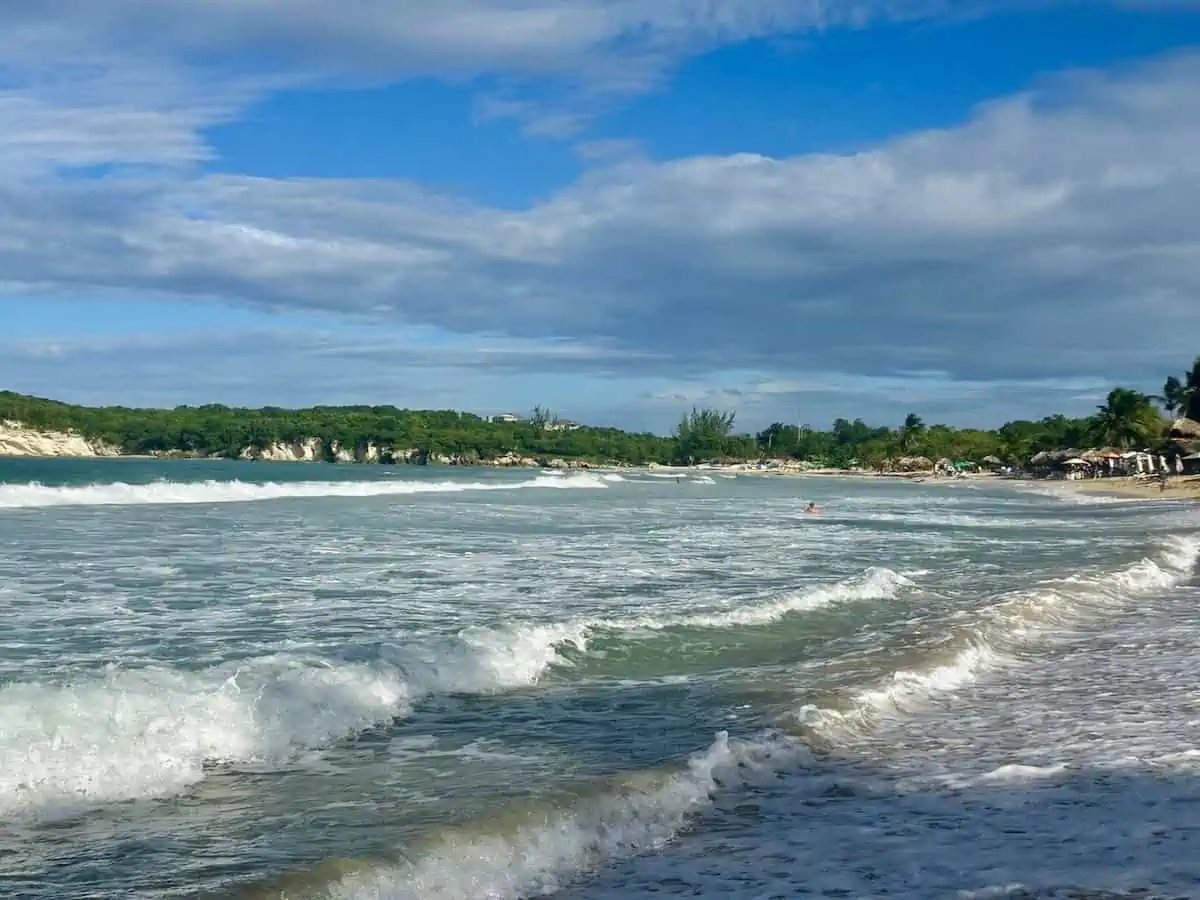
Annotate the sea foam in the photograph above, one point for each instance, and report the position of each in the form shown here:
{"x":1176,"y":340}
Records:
{"x":545,"y":851}
{"x":1008,"y":625}
{"x":33,"y":494}
{"x":151,"y":731}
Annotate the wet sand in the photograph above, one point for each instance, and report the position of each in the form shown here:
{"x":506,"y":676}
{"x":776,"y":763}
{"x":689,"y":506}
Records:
{"x":1179,"y":487}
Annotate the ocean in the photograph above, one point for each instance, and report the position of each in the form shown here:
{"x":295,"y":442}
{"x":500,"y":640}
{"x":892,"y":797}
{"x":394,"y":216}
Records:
{"x":227,"y":680}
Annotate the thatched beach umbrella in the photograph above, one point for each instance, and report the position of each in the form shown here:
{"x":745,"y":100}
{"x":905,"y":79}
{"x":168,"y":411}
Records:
{"x":1184,"y":431}
{"x":914,"y":464}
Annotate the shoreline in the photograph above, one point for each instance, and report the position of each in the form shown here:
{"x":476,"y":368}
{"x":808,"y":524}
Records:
{"x":1179,"y":487}
{"x":530,"y":463}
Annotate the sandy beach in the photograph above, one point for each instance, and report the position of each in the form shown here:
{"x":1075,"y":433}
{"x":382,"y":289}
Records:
{"x":1178,"y":488}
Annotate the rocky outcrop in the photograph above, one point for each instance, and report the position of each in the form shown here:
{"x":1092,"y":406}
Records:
{"x":313,"y":449}
{"x":515,"y":459}
{"x":307,"y":450}
{"x":18,"y":440}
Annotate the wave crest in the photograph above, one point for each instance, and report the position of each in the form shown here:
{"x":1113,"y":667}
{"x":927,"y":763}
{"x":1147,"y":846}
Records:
{"x":542,"y":851}
{"x":35,"y":495}
{"x":993,"y":644}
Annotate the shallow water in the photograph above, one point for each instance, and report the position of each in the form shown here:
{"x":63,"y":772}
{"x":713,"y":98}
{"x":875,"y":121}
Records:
{"x":233,"y":680}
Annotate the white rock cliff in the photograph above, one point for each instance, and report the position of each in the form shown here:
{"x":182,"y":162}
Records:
{"x":17,"y":440}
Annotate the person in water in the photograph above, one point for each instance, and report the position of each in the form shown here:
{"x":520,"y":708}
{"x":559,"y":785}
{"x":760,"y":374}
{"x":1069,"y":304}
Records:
{"x":812,"y":509}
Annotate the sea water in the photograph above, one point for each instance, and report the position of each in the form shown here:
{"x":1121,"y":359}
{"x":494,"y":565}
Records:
{"x":227,"y":680}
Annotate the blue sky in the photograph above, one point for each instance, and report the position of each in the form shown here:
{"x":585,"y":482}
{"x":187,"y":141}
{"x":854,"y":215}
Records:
{"x":617,"y":208}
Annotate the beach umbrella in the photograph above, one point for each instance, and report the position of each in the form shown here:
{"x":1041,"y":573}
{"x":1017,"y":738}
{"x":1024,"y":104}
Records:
{"x":1184,"y":430}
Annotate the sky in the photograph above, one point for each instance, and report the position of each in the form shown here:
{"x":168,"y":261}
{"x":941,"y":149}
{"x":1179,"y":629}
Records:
{"x":976,"y":210}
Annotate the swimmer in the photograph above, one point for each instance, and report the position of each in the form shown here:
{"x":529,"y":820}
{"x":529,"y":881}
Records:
{"x":812,"y":509}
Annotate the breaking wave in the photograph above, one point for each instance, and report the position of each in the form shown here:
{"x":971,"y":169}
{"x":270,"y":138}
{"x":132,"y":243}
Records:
{"x":876,"y":583}
{"x":540,"y":851}
{"x":150,"y":732}
{"x":542,"y":643}
{"x":33,"y":494}
{"x":1008,"y":626}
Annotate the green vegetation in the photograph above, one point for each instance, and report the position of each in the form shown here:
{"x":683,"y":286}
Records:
{"x":1127,"y":419}
{"x":216,"y":430}
{"x":1181,"y":396}
{"x":708,"y":434}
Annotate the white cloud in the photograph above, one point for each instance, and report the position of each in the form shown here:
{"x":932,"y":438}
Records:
{"x":597,"y":50}
{"x":570,"y":37}
{"x":816,"y":398}
{"x":297,"y":366}
{"x":597,"y":385}
{"x":1053,"y":234}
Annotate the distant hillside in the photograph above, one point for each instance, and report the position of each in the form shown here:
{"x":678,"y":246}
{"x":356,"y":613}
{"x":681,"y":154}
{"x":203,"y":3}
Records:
{"x":362,"y":433}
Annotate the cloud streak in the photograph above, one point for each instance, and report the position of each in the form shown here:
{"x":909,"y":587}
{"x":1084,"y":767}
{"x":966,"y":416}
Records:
{"x":298,"y":367}
{"x":1051,"y":235}
{"x":1061,"y":222}
{"x":465,"y":37}
{"x":595,"y":51}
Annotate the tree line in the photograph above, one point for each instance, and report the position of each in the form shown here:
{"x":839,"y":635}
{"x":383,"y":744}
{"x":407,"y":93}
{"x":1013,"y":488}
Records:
{"x":1127,"y":419}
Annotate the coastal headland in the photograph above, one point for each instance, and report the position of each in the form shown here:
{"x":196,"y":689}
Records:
{"x":704,"y":439}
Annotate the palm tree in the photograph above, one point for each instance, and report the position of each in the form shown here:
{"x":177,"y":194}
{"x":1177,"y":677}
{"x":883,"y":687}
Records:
{"x":1182,"y":396}
{"x":910,"y":432}
{"x":1126,"y":419}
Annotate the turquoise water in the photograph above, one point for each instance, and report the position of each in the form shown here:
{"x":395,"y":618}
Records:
{"x":229,"y":680}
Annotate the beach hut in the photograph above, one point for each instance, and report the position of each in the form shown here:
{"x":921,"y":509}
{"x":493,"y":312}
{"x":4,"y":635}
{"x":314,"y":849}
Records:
{"x":1184,"y":431}
{"x":1041,"y":463}
{"x":1105,"y":462}
{"x":993,"y":463}
{"x":1051,"y":462}
{"x":1183,"y":442}
{"x":912,"y":464}
{"x":1190,"y":464}
{"x":1076,"y":467}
